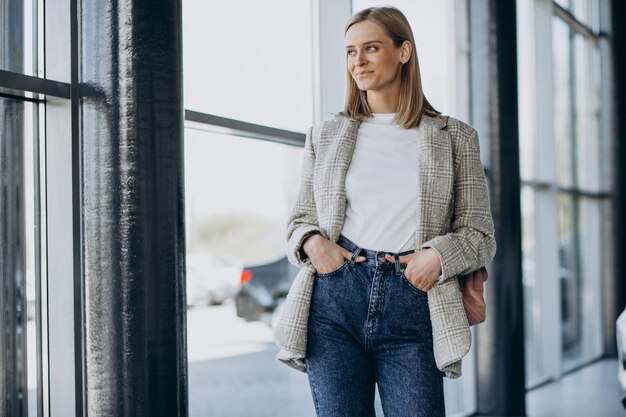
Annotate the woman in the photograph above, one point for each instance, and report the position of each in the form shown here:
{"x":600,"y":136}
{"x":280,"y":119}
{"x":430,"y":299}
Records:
{"x":392,"y":206}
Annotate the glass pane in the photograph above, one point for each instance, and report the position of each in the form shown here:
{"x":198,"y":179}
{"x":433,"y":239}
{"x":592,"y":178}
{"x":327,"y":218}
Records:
{"x":238,"y":193}
{"x":589,"y":147}
{"x":244,"y":67}
{"x":525,"y":90}
{"x":532,"y":307}
{"x":18,"y":51}
{"x":19,"y":251}
{"x":584,"y":338}
{"x":569,"y":277}
{"x":33,"y":235}
{"x":606,"y":147}
{"x":563,"y":102}
{"x":430,"y":22}
{"x":586,"y":11}
{"x":580,"y":258}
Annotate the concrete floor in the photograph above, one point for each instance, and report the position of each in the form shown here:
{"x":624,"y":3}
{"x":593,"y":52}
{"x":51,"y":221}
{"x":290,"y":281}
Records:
{"x":233,"y":373}
{"x":592,"y":391}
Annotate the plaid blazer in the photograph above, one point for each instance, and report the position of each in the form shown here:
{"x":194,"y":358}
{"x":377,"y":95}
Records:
{"x":452,"y":217}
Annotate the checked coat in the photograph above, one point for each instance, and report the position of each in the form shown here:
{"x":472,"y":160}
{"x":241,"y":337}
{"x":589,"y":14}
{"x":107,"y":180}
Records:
{"x":452,"y":217}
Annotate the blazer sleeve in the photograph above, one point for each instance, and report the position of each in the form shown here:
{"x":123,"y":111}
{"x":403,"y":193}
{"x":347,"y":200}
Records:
{"x":471,"y":243}
{"x":302,"y":219}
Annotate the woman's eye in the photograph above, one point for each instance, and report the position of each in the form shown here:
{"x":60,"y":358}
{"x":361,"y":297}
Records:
{"x":369,"y":47}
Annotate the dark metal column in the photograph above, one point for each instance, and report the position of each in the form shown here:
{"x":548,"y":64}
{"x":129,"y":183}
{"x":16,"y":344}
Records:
{"x":618,"y":40}
{"x":132,"y":207}
{"x":13,"y":380}
{"x":500,"y":341}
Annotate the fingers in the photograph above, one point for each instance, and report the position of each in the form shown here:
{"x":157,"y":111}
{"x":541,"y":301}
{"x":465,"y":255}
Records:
{"x":423,"y":283}
{"x":404,"y":259}
{"x":348,"y":255}
{"x":420,"y":275}
{"x":390,"y":258}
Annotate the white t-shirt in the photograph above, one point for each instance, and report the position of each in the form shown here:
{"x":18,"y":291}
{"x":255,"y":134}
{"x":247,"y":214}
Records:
{"x":381,"y":185}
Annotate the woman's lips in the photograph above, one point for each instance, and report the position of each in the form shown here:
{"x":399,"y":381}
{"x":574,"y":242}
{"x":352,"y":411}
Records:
{"x":364,"y":74}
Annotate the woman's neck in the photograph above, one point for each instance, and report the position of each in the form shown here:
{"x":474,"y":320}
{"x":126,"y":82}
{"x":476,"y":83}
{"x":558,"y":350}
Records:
{"x":384,"y":101}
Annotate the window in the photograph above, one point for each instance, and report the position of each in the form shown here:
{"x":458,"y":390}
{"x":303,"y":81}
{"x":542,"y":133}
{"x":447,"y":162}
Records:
{"x":250,"y":61}
{"x":248,"y":99}
{"x":582,"y":187}
{"x":23,"y":315}
{"x":565,"y":185}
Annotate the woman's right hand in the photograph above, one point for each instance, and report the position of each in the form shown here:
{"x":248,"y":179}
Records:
{"x":326,"y":256}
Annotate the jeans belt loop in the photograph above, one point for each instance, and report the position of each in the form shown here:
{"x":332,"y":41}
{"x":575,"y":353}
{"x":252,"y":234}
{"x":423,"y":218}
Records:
{"x":396,"y":259}
{"x":354,"y":255}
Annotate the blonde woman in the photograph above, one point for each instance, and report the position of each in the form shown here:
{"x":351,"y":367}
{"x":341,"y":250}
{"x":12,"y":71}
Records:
{"x":392,"y":206}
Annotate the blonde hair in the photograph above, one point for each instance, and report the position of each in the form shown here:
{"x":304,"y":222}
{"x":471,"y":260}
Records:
{"x":412,"y":103}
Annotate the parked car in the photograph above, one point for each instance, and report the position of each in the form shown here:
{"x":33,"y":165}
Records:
{"x":211,"y":280}
{"x":263,"y":290}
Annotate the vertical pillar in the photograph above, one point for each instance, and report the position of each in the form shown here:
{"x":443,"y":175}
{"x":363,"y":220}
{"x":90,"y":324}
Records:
{"x":500,"y":341}
{"x":329,"y":73}
{"x":131,"y":133}
{"x":13,"y":383}
{"x":618,"y":40}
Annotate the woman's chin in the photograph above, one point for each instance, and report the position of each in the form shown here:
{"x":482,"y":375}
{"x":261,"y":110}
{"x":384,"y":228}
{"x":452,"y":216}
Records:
{"x":364,"y":86}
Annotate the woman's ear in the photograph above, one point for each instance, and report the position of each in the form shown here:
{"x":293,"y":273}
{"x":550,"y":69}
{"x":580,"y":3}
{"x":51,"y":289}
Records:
{"x":405,"y":51}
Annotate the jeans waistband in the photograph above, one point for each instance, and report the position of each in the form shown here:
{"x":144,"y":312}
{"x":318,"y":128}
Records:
{"x":377,"y":256}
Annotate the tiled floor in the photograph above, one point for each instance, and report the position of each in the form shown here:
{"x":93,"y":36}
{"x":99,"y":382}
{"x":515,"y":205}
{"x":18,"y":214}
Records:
{"x":592,"y":391}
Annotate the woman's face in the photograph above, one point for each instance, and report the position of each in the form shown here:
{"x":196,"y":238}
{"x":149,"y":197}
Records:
{"x":373,"y":61}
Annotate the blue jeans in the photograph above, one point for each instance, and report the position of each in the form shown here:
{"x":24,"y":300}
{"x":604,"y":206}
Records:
{"x":369,"y":325}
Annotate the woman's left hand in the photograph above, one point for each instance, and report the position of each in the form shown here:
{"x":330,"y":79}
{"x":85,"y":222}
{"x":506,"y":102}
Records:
{"x":423,"y":267}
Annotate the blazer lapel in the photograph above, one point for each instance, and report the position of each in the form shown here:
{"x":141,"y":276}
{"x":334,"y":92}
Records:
{"x":436,"y":180}
{"x":342,"y":150}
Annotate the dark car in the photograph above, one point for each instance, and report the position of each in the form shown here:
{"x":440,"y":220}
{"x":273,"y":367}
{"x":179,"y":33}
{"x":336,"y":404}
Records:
{"x":263,"y":290}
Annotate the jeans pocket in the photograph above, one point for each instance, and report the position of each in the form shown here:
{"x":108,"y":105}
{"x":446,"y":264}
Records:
{"x":413,"y":287}
{"x":342,"y":266}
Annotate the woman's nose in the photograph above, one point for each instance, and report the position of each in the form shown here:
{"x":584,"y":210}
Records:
{"x":360,"y":58}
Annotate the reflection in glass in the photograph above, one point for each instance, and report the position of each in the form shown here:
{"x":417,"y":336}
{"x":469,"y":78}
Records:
{"x":238,"y":193}
{"x":19,"y":258}
{"x":569,"y":276}
{"x":18,"y":40}
{"x":13,"y":399}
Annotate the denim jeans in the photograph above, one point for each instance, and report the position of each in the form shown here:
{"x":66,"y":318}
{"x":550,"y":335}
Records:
{"x":369,"y":325}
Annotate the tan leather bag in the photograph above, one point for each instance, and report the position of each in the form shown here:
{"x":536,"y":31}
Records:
{"x":472,"y":286}
{"x":473,"y":295}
